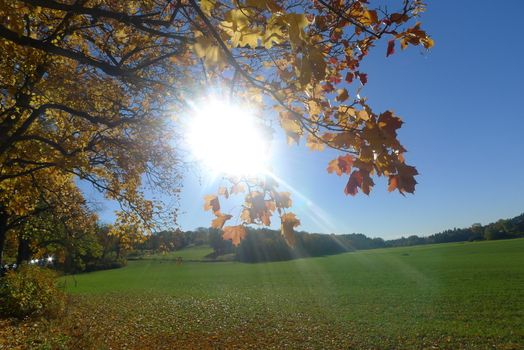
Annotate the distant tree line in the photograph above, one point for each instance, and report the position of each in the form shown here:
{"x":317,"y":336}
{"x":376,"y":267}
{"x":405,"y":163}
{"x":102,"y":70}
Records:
{"x":501,"y":229}
{"x":263,"y":244}
{"x":92,"y":246}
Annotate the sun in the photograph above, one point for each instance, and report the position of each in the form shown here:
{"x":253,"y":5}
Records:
{"x":228,"y":138}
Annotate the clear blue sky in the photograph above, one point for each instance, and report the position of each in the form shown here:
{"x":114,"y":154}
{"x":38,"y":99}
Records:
{"x":464,"y":130}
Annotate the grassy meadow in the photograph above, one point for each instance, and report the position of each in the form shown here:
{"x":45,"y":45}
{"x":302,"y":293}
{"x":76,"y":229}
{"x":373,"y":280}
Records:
{"x":445,"y":296}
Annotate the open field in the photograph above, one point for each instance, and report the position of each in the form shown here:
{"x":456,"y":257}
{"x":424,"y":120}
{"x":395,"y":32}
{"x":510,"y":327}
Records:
{"x":196,"y":253}
{"x":447,"y":296}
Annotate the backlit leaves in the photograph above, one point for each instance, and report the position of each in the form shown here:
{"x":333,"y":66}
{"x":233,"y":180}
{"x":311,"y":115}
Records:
{"x":220,"y":220}
{"x":288,"y":223}
{"x":234,"y":233}
{"x":211,"y":203}
{"x":341,"y":165}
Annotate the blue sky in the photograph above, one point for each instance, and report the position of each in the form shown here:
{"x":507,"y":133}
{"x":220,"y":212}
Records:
{"x":464,"y":130}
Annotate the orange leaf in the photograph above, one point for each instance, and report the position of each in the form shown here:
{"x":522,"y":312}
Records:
{"x":220,"y":220}
{"x":341,"y":165}
{"x":392,"y":183}
{"x":211,"y":203}
{"x":283,"y":199}
{"x":234,"y":233}
{"x":289,"y":222}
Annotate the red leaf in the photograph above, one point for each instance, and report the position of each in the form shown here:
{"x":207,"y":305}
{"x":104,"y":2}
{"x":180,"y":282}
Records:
{"x":354,"y":182}
{"x":391,"y":47}
{"x":341,"y":165}
{"x":328,"y":87}
{"x":349,"y":77}
{"x":363,"y":78}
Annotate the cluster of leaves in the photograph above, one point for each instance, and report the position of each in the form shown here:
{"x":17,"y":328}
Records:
{"x":306,"y":56}
{"x":261,"y":201}
{"x":30,"y":291}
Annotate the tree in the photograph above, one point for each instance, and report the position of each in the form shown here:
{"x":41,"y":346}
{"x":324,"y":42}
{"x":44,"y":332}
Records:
{"x":88,"y":88}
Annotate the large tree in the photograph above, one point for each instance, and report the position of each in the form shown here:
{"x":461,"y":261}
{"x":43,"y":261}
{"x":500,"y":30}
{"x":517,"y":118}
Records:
{"x":87,"y":88}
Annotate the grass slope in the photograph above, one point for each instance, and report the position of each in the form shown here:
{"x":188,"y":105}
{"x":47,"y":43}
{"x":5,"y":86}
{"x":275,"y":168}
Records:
{"x":446,"y":296}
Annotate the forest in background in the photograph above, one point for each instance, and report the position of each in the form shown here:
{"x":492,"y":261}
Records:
{"x":96,"y":249}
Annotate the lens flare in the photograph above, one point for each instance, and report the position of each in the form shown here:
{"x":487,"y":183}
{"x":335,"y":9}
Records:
{"x":228,"y":139}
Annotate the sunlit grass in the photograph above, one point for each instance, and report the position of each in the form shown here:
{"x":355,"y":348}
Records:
{"x":452,"y":296}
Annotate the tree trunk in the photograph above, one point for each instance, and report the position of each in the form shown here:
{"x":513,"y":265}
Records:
{"x":24,"y":250}
{"x":3,"y":233}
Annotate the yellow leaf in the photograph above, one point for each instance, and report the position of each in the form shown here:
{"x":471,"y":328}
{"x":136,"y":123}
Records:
{"x":207,"y":6}
{"x":314,"y":143}
{"x":369,"y":17}
{"x":363,"y":114}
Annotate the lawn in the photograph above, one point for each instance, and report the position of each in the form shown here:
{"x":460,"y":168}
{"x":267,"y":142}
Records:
{"x":446,"y":296}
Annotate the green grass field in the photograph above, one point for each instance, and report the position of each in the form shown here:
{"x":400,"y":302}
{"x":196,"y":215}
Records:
{"x":447,"y":296}
{"x":197,"y":253}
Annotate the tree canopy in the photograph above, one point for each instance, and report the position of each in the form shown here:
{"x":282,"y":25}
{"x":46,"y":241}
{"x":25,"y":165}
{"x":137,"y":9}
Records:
{"x":88,"y":89}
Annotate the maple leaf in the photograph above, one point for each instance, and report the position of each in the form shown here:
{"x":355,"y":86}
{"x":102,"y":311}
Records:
{"x":289,"y":222}
{"x":363,"y":78}
{"x":389,"y":123}
{"x":220,"y":220}
{"x":392,"y":183}
{"x":354,"y":182}
{"x":349,"y":77}
{"x":391,"y":48}
{"x":211,"y":203}
{"x":341,"y":165}
{"x":234,"y":233}
{"x":405,"y":179}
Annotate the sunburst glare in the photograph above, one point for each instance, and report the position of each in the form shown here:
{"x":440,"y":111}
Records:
{"x":228,"y":138}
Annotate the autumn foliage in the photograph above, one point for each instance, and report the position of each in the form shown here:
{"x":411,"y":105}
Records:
{"x":88,"y":90}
